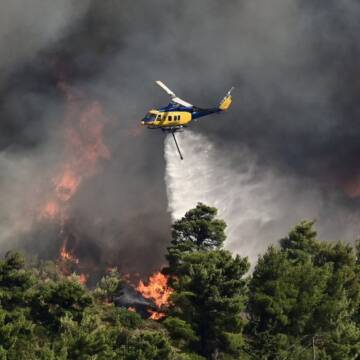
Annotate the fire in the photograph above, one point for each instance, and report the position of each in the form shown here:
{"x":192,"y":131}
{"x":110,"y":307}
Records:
{"x":66,"y":185}
{"x":157,"y":289}
{"x":82,"y":278}
{"x":50,"y":211}
{"x":156,"y":315}
{"x":66,"y":255}
{"x":83,"y":149}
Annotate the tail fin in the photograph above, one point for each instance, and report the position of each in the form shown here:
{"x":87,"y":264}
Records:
{"x":226,"y":101}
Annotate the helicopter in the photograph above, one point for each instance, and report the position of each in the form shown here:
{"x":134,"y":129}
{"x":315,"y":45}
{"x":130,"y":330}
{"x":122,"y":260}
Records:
{"x":178,"y":114}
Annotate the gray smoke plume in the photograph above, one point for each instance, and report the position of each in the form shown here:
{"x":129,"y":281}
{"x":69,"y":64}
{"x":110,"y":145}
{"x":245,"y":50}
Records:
{"x":287,"y":149}
{"x":27,"y":27}
{"x":258,"y":204}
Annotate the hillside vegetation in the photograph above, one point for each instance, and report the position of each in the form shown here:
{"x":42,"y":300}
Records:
{"x":302,"y":301}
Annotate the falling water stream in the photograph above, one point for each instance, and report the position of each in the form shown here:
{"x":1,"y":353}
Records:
{"x":258,"y":205}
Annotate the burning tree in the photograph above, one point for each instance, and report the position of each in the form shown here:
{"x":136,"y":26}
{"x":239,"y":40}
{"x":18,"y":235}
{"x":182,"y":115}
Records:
{"x":83,"y":149}
{"x":53,"y":318}
{"x":158,"y":291}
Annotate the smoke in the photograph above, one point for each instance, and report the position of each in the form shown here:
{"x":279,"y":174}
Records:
{"x":117,"y":216}
{"x":259,"y":205}
{"x":287,"y":149}
{"x":27,"y":27}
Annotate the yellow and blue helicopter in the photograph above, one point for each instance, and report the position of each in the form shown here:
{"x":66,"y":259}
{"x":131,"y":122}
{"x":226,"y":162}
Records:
{"x":178,"y":114}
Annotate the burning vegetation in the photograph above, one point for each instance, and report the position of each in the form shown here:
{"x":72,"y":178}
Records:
{"x":83,"y":151}
{"x":294,"y":304}
{"x":158,"y":291}
{"x":150,"y":301}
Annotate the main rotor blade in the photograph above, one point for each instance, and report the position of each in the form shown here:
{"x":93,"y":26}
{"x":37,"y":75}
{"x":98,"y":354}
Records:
{"x":174,"y":98}
{"x":181,"y":102}
{"x":165,"y":88}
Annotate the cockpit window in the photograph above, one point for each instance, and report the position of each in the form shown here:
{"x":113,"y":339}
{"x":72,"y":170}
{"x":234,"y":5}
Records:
{"x":149,"y":117}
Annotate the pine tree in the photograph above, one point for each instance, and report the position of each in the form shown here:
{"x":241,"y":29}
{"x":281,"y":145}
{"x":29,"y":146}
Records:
{"x":209,"y":294}
{"x":305,"y":291}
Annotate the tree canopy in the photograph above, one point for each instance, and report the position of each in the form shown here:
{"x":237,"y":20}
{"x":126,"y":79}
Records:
{"x":304,"y":292}
{"x":209,"y":286}
{"x":301,"y":301}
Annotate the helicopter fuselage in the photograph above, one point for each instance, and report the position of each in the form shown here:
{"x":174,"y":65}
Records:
{"x":174,"y":116}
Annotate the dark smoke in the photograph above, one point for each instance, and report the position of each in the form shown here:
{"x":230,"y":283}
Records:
{"x":119,"y":216}
{"x":288,"y":148}
{"x":130,"y":298}
{"x":296,"y":68}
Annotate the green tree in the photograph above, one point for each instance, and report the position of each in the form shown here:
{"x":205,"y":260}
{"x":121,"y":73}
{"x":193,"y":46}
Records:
{"x":15,"y":282}
{"x":124,"y":318}
{"x":54,"y":300}
{"x":44,"y":316}
{"x":305,"y":290}
{"x":209,"y":289}
{"x":108,"y":286}
{"x":144,"y":345}
{"x":18,"y":333}
{"x":86,"y":340}
{"x":198,"y":230}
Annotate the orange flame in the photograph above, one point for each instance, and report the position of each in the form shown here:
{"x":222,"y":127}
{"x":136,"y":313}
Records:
{"x":156,"y":315}
{"x":156,"y":290}
{"x":66,"y":255}
{"x":50,"y":211}
{"x":82,"y":278}
{"x":66,"y":185}
{"x":83,"y":149}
